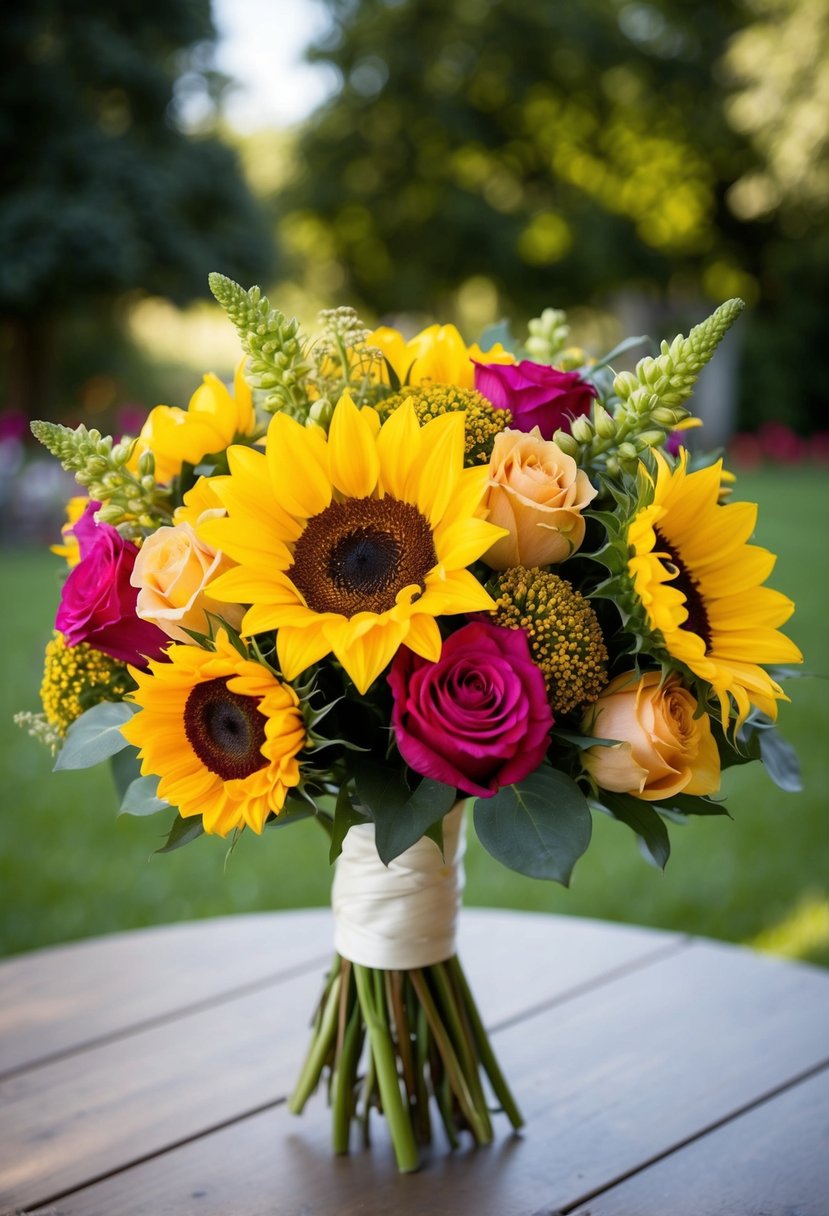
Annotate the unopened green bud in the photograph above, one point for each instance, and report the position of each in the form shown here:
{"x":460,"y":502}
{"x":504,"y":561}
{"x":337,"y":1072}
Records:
{"x":626,"y":451}
{"x":624,"y":384}
{"x":665,"y":416}
{"x":146,"y":465}
{"x":582,"y":429}
{"x":566,"y":442}
{"x":649,"y":439}
{"x":110,"y":513}
{"x":321,"y":412}
{"x":603,"y":422}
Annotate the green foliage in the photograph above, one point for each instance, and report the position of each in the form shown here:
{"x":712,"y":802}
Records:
{"x":644,"y":821}
{"x":401,"y":816}
{"x":141,"y":797}
{"x":539,"y":827}
{"x":95,"y":736}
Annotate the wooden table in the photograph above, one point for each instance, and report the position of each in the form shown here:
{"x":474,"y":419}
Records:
{"x":146,"y":1073}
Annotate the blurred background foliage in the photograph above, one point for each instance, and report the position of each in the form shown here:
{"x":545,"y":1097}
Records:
{"x":633,"y":162}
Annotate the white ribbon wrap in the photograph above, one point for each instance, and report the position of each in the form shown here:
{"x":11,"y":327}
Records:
{"x":403,"y":915}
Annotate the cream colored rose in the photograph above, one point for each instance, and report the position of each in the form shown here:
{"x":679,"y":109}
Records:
{"x":663,"y":750}
{"x":537,"y":493}
{"x":171,"y":570}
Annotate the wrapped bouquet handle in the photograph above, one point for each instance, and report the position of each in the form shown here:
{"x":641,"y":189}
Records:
{"x":397,"y":1004}
{"x":403,"y":915}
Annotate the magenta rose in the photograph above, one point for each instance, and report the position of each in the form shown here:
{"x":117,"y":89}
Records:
{"x":536,"y":395}
{"x":479,"y":717}
{"x":98,"y":601}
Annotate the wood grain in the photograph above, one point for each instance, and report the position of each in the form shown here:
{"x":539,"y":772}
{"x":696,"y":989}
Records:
{"x":773,"y":1160}
{"x":611,"y":1073}
{"x":52,"y":999}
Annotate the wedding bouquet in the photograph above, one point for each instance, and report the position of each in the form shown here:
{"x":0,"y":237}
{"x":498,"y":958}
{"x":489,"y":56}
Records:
{"x":382,"y":579}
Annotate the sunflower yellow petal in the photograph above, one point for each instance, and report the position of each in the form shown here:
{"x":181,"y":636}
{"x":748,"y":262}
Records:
{"x":457,"y":591}
{"x":298,"y":648}
{"x":432,"y":481}
{"x":465,"y":541}
{"x":398,"y":445}
{"x":366,"y":656}
{"x":354,"y":465}
{"x":424,"y":638}
{"x":297,"y":461}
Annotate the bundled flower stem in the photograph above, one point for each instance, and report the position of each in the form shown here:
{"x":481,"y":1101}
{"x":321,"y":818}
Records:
{"x":420,"y":1036}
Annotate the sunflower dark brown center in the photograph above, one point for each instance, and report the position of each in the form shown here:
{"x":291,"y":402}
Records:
{"x":698,"y":621}
{"x":355,"y":556}
{"x":225,"y":730}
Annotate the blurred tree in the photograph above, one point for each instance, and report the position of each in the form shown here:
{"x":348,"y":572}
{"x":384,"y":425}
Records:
{"x":104,"y":192}
{"x":522,"y":139}
{"x":564,"y":151}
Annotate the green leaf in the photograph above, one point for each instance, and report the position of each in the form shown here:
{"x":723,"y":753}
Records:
{"x":95,"y":736}
{"x":644,"y":821}
{"x":621,"y":349}
{"x":582,"y":742}
{"x":142,"y":798}
{"x":182,"y":832}
{"x":380,"y":788}
{"x":499,"y":332}
{"x":690,"y":804}
{"x":780,"y":760}
{"x":293,"y":809}
{"x":539,"y":827}
{"x":397,"y":829}
{"x":345,"y":816}
{"x":125,"y":767}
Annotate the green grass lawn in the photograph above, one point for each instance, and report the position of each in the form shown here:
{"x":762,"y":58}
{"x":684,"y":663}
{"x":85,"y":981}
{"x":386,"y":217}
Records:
{"x":70,"y":868}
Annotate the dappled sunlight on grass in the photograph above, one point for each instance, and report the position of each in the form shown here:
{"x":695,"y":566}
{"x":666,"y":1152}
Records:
{"x":803,"y":934}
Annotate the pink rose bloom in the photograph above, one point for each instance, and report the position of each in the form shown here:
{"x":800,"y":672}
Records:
{"x":97,"y":602}
{"x":479,"y":717}
{"x":536,"y":395}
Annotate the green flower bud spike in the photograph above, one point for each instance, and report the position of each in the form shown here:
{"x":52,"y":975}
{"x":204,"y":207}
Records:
{"x":278,"y":356}
{"x":132,"y":503}
{"x":670,"y":377}
{"x":650,"y":400}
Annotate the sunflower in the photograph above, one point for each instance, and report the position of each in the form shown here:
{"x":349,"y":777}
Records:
{"x":356,"y":544}
{"x":699,"y":583}
{"x":222,"y":733}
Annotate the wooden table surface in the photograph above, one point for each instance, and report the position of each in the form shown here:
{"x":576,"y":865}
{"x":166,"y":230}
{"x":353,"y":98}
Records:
{"x":147,"y":1072}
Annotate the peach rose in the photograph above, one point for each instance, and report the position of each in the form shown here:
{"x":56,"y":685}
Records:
{"x":537,"y":493}
{"x":171,"y":571}
{"x":663,"y":750}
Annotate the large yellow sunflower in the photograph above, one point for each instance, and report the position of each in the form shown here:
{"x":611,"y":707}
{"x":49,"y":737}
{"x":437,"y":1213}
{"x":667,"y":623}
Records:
{"x":222,"y":733}
{"x":700,"y":585}
{"x":353,"y":545}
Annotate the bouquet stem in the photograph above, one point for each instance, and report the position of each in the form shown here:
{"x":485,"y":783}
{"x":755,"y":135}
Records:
{"x":420,"y":1037}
